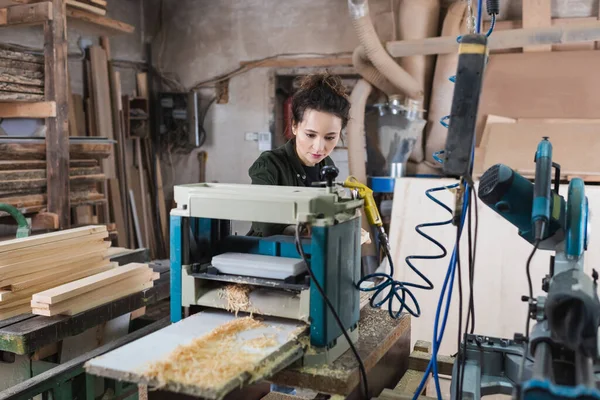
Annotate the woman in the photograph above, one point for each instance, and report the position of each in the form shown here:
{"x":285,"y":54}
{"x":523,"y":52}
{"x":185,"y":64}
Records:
{"x":320,"y":110}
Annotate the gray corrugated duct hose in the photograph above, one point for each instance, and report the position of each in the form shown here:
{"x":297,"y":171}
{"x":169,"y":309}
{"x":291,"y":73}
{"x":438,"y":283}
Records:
{"x":381,"y":60}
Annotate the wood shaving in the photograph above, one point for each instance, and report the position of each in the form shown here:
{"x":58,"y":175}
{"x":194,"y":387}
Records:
{"x":262,"y":342}
{"x":209,"y":361}
{"x":238,"y":297}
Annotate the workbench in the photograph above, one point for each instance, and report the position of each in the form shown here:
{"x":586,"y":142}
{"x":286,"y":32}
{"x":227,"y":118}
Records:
{"x":26,"y":340}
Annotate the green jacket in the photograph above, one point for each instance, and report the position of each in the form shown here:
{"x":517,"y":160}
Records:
{"x":279,"y":167}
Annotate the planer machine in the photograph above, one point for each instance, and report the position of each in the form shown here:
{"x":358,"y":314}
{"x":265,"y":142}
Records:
{"x":208,"y":259}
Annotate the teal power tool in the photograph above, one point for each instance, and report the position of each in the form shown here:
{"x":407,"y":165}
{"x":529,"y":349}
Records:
{"x":562,"y":350}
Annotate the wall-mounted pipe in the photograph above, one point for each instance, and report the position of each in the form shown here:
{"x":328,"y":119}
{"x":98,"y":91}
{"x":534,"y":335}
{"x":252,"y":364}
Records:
{"x":383,"y":62}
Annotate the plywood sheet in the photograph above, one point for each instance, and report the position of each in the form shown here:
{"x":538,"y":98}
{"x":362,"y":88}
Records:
{"x":500,"y":277}
{"x":575,"y":146}
{"x":541,"y":85}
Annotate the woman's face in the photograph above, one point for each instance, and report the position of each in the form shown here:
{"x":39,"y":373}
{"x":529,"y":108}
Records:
{"x":316,"y":136}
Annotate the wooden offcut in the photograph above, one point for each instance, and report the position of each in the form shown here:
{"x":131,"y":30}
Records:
{"x":83,"y":294}
{"x":113,"y":25}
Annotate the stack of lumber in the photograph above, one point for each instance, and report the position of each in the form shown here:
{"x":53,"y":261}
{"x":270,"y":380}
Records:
{"x":41,"y":262}
{"x":93,"y":6}
{"x":83,"y":294}
{"x":23,"y":179}
{"x":21,"y":76}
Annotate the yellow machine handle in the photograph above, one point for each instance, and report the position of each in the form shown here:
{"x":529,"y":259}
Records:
{"x":366,"y":194}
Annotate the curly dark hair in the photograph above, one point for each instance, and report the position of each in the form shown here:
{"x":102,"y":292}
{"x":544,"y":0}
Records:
{"x":321,"y":92}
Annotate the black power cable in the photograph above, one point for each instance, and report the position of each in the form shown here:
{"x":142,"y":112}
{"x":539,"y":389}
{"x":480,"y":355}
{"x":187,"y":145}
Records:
{"x":361,"y":366}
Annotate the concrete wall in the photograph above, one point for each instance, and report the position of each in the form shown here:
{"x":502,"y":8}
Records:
{"x":208,"y":38}
{"x":123,"y":47}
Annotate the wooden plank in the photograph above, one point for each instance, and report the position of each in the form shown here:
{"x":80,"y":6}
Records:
{"x":22,"y":72}
{"x":16,"y":87}
{"x":515,"y":38}
{"x":22,"y":80}
{"x":573,"y":46}
{"x":66,"y":269}
{"x":37,"y":240}
{"x":41,"y":173}
{"x":27,"y":14}
{"x":117,"y":210}
{"x":102,"y":103}
{"x":540,"y":85}
{"x":114,"y":25}
{"x":144,"y":211}
{"x":36,"y":164}
{"x":37,"y":151}
{"x":162,"y":206}
{"x":537,"y":14}
{"x":43,"y":109}
{"x":80,"y":122}
{"x":38,"y":183}
{"x":87,"y":7}
{"x":74,"y":289}
{"x":12,"y":96}
{"x":71,"y":112}
{"x":142,"y":84}
{"x":21,"y":56}
{"x":21,"y":65}
{"x":57,"y":140}
{"x":97,"y":297}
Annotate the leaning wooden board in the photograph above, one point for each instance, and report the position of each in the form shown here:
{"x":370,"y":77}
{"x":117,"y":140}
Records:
{"x":131,"y":362}
{"x":541,"y":85}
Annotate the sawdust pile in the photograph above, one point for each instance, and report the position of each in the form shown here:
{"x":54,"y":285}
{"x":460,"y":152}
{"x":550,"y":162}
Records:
{"x":211,"y":360}
{"x":262,"y":342}
{"x":238,"y":297}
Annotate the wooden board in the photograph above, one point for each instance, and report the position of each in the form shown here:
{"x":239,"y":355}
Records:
{"x":10,"y":96}
{"x":37,"y":240}
{"x":537,"y":14}
{"x":74,"y":289}
{"x":15,"y":185}
{"x":96,"y":297}
{"x":7,"y":63}
{"x":20,"y":79}
{"x":26,"y":14}
{"x":102,"y":103}
{"x":28,"y":110}
{"x":120,"y":364}
{"x":37,"y":151}
{"x":19,"y":88}
{"x":113,"y":25}
{"x":20,"y":56}
{"x":574,"y":146}
{"x":41,"y":173}
{"x":87,"y":7}
{"x":541,"y":85}
{"x":77,"y":100}
{"x":37,"y":164}
{"x":22,"y":72}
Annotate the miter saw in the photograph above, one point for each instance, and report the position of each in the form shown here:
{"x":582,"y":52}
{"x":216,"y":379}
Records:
{"x":561,"y":360}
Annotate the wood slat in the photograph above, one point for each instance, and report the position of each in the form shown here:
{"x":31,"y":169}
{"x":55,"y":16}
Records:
{"x":37,"y":240}
{"x":21,"y":80}
{"x":87,"y":7}
{"x":20,"y":56}
{"x":38,"y":183}
{"x":537,"y":14}
{"x":74,"y":289}
{"x":14,"y":96}
{"x":118,"y":26}
{"x":18,"y":64}
{"x":22,"y":72}
{"x":41,"y":173}
{"x":43,"y":109}
{"x":37,"y":151}
{"x":19,"y":88}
